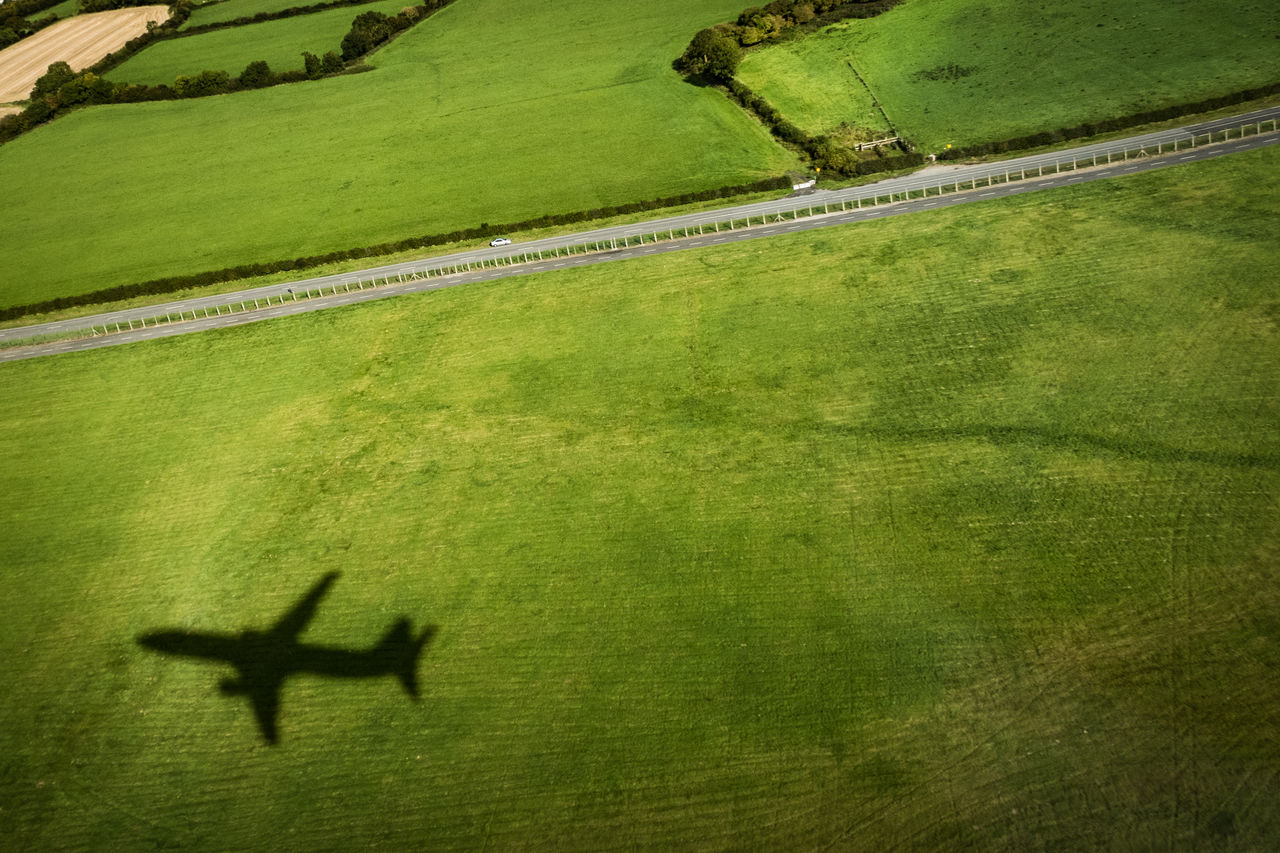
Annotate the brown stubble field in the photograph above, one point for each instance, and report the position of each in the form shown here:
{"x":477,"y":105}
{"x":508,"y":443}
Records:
{"x":79,"y":42}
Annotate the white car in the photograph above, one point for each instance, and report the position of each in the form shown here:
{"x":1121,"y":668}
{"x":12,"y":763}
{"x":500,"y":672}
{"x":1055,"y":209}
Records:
{"x":500,"y":241}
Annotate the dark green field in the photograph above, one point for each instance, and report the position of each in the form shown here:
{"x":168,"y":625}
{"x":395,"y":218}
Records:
{"x":958,"y":530}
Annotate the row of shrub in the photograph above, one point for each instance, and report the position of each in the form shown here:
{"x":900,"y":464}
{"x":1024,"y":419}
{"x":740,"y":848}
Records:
{"x":714,"y":52}
{"x":291,"y":12}
{"x":1035,"y":140}
{"x":16,"y":22}
{"x":825,"y":153}
{"x":176,"y":283}
{"x":775,"y":20}
{"x":61,"y":89}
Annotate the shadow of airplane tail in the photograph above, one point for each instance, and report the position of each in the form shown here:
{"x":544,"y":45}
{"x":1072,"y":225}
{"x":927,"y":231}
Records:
{"x":400,"y":645}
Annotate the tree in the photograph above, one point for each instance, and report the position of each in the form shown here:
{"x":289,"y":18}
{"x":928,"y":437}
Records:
{"x":52,"y":80}
{"x":332,"y":63}
{"x":311,"y":63}
{"x":256,"y":75}
{"x":711,"y":54}
{"x":86,"y":88}
{"x":204,"y":83}
{"x":368,"y":30}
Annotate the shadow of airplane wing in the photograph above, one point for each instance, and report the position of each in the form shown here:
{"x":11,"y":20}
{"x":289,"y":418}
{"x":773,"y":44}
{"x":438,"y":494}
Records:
{"x":292,"y":623}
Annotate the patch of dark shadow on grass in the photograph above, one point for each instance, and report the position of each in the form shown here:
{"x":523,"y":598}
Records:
{"x":943,"y":73}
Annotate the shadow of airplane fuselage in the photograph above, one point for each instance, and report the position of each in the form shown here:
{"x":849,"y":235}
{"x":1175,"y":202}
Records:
{"x":264,"y":659}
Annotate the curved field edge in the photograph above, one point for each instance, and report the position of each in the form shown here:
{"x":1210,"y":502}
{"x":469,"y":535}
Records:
{"x":461,"y":123}
{"x":956,"y":529}
{"x":959,"y":72}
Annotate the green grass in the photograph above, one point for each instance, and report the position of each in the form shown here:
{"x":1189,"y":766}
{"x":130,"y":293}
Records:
{"x":279,"y":43}
{"x":462,"y":122}
{"x":216,"y":13}
{"x":960,"y":71}
{"x":62,"y":10}
{"x":955,"y":530}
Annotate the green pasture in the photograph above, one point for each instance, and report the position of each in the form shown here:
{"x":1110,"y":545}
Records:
{"x":229,"y":10}
{"x":960,"y":71}
{"x":279,"y":43}
{"x":467,"y":118}
{"x":956,"y":530}
{"x":62,"y":10}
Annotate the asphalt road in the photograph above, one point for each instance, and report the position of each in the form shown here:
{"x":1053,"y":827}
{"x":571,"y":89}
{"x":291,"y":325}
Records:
{"x":951,"y":178}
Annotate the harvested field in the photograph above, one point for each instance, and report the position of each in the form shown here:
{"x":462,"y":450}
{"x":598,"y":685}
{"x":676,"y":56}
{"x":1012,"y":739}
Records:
{"x":79,"y":42}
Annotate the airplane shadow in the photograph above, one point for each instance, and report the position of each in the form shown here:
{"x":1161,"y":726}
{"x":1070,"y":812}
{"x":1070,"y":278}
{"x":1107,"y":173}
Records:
{"x":264,"y":660}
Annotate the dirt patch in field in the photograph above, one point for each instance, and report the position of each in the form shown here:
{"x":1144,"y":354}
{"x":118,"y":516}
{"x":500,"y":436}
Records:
{"x":8,"y":111}
{"x":79,"y":42}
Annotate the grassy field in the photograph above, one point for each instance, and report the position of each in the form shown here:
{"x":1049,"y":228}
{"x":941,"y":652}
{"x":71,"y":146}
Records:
{"x":279,"y":43}
{"x":957,"y":530}
{"x":959,"y":71}
{"x":591,"y":111}
{"x":214,"y":13}
{"x":62,"y":10}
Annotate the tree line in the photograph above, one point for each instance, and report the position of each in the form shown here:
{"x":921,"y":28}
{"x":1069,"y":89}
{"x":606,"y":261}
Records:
{"x":16,"y":22}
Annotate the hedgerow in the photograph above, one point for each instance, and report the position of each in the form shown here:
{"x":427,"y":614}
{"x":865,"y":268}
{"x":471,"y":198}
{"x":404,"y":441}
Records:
{"x":1079,"y":131}
{"x":175,"y":283}
{"x":713,"y":55}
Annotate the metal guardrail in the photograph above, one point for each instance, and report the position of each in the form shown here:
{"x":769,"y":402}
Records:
{"x":974,"y":178}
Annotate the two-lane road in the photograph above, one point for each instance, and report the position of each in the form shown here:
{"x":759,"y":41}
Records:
{"x":762,"y":216}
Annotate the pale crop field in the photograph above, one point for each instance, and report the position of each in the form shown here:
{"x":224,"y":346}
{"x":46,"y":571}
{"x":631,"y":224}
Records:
{"x":955,"y":530}
{"x":79,"y":41}
{"x":961,"y":71}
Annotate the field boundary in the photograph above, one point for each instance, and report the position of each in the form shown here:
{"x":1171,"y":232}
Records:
{"x":176,"y":283}
{"x":264,"y":17}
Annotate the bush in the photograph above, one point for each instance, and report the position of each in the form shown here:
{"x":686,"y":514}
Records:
{"x":203,"y":84}
{"x":256,"y":75}
{"x":86,"y":88}
{"x":368,"y":30}
{"x":58,"y":74}
{"x":712,"y":54}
